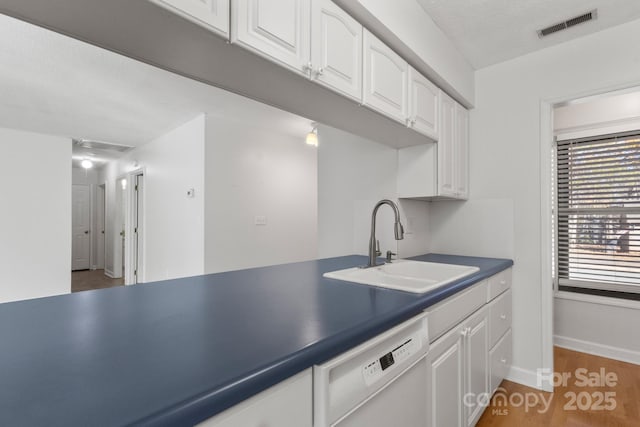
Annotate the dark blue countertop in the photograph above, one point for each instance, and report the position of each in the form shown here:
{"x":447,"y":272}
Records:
{"x":180,"y":351}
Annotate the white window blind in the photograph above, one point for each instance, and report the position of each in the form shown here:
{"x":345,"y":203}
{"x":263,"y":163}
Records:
{"x":598,"y":213}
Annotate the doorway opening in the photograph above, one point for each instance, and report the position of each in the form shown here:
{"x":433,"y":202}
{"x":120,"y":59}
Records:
{"x":88,"y":196}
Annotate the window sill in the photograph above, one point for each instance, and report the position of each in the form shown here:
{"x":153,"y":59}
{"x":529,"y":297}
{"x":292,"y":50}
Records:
{"x":597,"y":299}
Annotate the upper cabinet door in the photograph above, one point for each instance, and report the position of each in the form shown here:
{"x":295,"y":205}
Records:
{"x":446,"y":153}
{"x":385,"y":79}
{"x":336,"y":49}
{"x":276,"y":29}
{"x":424,"y":105}
{"x":212,"y":14}
{"x":461,"y":152}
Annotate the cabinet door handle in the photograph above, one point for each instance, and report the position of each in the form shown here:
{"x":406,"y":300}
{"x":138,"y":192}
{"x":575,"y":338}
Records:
{"x":307,"y":69}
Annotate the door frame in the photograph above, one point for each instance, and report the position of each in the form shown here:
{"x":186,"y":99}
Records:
{"x":547,"y":140}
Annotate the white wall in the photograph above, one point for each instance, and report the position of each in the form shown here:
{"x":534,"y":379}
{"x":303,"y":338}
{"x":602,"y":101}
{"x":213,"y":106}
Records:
{"x":602,"y":326}
{"x":505,"y":164}
{"x":258,"y":171}
{"x":173,"y":223}
{"x":353,"y":175}
{"x":35,"y":219}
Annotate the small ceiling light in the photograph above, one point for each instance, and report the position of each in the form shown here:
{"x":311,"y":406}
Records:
{"x":86,"y":163}
{"x":312,"y":137}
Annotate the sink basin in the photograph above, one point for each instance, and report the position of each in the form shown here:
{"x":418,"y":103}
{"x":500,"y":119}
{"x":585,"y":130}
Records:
{"x":405,"y":275}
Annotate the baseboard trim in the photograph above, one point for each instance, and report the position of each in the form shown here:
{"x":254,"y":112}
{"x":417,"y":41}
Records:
{"x":109,"y":273}
{"x":610,"y":352}
{"x":528,"y":378}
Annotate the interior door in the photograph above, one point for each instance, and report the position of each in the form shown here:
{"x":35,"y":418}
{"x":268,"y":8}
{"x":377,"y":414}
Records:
{"x":81,"y":227}
{"x":100,"y":227}
{"x":137,"y":229}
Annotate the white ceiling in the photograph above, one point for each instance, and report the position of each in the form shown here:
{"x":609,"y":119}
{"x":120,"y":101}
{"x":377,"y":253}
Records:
{"x":53,"y":84}
{"x":490,"y":31}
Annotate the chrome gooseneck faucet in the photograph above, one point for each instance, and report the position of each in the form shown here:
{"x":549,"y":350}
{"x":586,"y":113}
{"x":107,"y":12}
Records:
{"x":397,"y":228}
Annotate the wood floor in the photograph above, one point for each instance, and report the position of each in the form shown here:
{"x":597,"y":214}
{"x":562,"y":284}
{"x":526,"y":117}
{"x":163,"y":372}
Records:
{"x":86,"y":280}
{"x":579,"y":402}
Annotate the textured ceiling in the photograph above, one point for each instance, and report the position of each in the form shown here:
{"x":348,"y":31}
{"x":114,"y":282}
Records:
{"x":53,"y":84}
{"x":490,"y":31}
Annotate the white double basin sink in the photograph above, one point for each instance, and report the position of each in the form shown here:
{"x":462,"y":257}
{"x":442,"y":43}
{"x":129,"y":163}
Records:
{"x":405,"y":275}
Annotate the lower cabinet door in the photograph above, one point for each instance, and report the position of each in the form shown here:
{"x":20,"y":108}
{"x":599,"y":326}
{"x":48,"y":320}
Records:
{"x":445,"y":380}
{"x":476,"y":395}
{"x":500,"y":359}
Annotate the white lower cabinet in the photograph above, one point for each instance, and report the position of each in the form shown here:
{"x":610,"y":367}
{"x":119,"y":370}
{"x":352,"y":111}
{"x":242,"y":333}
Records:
{"x":454,"y":374}
{"x":466,"y":364}
{"x":287,"y":404}
{"x":445,"y":380}
{"x":457,"y":373}
{"x":476,"y":357}
{"x":500,"y":361}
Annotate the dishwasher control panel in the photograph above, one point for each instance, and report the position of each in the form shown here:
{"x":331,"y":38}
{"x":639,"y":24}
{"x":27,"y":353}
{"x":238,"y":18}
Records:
{"x":375,"y":369}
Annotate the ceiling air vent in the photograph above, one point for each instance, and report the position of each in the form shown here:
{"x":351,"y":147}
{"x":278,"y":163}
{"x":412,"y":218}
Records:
{"x":99,"y":145}
{"x":589,"y":16}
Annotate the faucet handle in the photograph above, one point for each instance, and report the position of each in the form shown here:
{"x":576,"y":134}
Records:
{"x":378,"y":253}
{"x":390,"y":255}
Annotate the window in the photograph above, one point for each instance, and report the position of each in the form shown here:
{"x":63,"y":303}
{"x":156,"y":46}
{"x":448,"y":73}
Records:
{"x":597,"y":217}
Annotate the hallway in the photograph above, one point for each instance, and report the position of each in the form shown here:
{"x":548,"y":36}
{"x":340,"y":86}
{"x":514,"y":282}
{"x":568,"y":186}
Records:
{"x":87,"y":280}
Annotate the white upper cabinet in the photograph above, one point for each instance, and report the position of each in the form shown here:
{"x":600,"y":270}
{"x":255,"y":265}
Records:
{"x":461,"y":152}
{"x":441,"y":170}
{"x":424,"y":105}
{"x":385,"y":79}
{"x":212,"y":14}
{"x":336,"y":49}
{"x":276,"y":29}
{"x":446,"y":153}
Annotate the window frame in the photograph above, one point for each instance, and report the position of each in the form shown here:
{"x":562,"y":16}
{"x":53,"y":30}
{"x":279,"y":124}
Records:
{"x":566,"y":285}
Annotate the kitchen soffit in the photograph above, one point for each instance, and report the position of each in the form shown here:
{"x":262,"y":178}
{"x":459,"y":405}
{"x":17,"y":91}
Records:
{"x":491,"y":31}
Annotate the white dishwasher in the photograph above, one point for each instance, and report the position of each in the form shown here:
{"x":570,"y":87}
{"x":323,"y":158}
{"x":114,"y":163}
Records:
{"x":382,"y":382}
